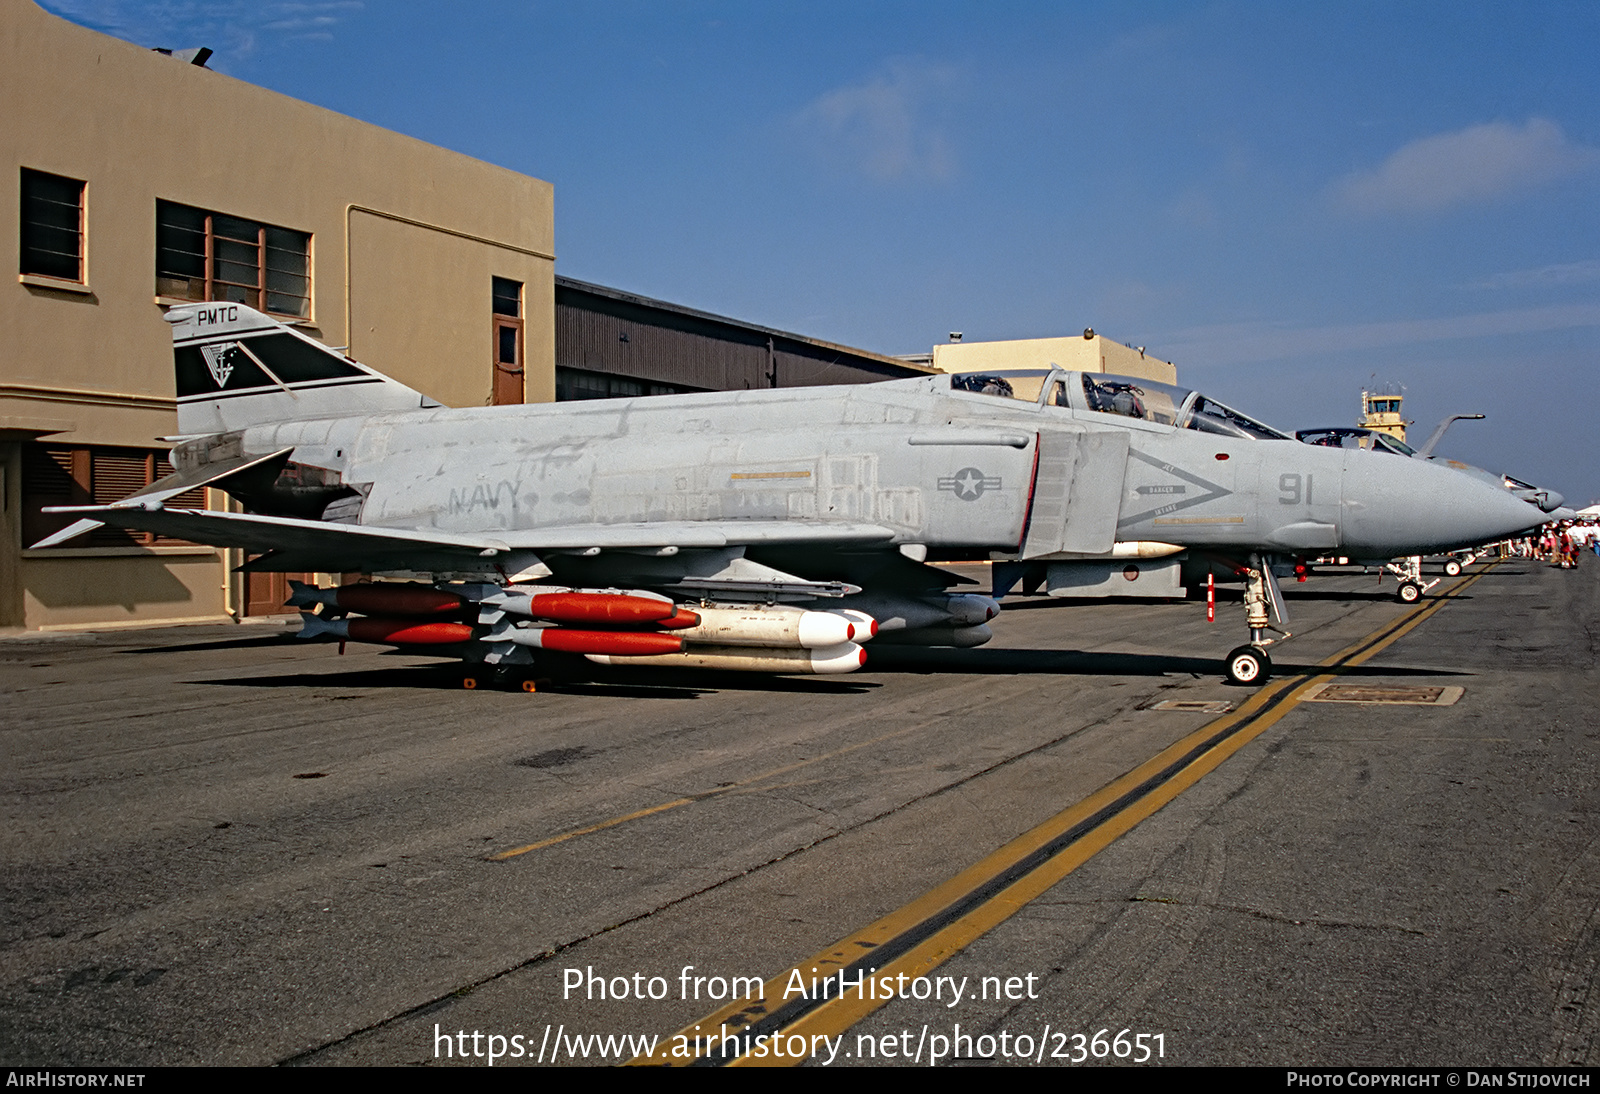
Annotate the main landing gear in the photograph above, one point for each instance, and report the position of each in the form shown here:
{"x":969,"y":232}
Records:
{"x":1250,"y":664}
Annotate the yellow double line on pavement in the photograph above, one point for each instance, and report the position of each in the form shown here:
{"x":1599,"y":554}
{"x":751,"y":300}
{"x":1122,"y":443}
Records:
{"x":939,"y":924}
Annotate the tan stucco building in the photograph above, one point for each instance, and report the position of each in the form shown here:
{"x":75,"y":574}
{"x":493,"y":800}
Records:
{"x":1089,"y":352}
{"x":139,"y":180}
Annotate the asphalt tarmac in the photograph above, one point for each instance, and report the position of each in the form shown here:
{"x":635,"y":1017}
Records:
{"x":222,"y":846}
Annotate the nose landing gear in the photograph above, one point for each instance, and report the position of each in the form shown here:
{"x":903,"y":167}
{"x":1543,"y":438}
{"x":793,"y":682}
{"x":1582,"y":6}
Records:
{"x":1409,"y":571}
{"x":1250,"y":664}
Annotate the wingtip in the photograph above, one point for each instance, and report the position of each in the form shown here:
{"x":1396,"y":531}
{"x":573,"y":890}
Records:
{"x":71,"y":531}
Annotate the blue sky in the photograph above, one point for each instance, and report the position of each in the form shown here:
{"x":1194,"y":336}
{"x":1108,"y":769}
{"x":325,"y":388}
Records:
{"x":1287,"y":199}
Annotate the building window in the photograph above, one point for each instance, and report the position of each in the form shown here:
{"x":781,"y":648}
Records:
{"x":573,"y":384}
{"x":211,"y":256}
{"x":506,"y":302}
{"x":58,"y":475}
{"x":52,"y":226}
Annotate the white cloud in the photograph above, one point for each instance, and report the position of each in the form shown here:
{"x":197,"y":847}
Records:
{"x":1565,"y":273}
{"x":1246,"y":343}
{"x":885,"y":128}
{"x":1468,"y":167}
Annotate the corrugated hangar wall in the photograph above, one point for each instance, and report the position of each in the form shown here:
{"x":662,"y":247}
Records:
{"x":600,"y":330}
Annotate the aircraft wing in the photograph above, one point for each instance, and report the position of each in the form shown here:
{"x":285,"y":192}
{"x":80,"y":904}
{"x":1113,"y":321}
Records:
{"x":296,"y":544}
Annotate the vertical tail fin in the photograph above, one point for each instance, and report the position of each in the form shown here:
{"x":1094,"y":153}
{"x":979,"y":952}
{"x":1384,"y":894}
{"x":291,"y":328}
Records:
{"x":236,"y":368}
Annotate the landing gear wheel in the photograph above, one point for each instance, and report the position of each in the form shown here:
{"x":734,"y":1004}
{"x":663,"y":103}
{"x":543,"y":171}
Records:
{"x":1452,"y":567}
{"x":1248,"y":665}
{"x":1409,"y":592}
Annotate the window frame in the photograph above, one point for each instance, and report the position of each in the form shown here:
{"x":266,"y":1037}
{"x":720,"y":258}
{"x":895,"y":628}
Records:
{"x":24,"y":267}
{"x":574,"y":385}
{"x":61,"y":474}
{"x":208,"y":287}
{"x":509,"y":383}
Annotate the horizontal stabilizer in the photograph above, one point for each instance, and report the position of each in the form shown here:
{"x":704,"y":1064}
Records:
{"x":206,"y":474}
{"x":70,"y":532}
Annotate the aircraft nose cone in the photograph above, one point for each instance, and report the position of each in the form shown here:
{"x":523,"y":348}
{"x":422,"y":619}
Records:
{"x":1395,"y":507}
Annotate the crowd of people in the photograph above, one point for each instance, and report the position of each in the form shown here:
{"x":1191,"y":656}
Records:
{"x":1557,"y":543}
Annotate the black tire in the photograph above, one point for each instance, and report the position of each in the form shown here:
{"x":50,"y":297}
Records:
{"x":1409,"y":592}
{"x":1452,"y":567}
{"x":1248,"y":666}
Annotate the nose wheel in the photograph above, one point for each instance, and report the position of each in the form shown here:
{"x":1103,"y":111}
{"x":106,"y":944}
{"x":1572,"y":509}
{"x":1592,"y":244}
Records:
{"x":1409,"y":592}
{"x":1249,"y":665}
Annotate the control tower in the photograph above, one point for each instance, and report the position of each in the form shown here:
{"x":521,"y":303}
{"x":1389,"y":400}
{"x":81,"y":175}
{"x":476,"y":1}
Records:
{"x":1380,"y":412}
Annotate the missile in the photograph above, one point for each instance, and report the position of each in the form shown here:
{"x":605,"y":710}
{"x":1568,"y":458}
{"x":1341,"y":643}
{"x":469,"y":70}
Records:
{"x":560,"y":605}
{"x":845,"y":657}
{"x":382,"y":598}
{"x":393,"y":632}
{"x":576,"y":607}
{"x":787,"y":628}
{"x":593,"y":642}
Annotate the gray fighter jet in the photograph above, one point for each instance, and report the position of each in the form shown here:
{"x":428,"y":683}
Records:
{"x":766,"y":530}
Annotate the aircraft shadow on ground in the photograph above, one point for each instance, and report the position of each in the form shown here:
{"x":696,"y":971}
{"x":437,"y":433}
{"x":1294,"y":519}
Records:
{"x":1007,"y":662}
{"x":616,"y":683}
{"x":255,"y":642}
{"x":1292,"y":594}
{"x":1291,"y":591}
{"x":1037,"y":601}
{"x":644,"y":683}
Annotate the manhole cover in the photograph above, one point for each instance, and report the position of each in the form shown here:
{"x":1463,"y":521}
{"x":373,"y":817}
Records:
{"x":1384,"y":693}
{"x":1195,"y":706}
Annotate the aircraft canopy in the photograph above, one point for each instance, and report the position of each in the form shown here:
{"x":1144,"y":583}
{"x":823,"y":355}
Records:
{"x":1126,"y":396}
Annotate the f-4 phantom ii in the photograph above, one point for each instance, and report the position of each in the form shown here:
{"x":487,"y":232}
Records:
{"x":772,"y":530}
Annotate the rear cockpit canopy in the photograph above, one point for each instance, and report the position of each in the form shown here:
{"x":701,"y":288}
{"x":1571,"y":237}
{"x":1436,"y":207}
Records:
{"x":1026,"y":385}
{"x":1351,"y":437}
{"x":1124,"y":396}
